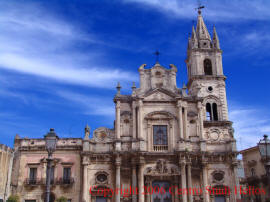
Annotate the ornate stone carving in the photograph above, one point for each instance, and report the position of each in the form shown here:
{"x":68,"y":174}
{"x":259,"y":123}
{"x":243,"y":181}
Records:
{"x":218,"y":176}
{"x":162,"y":168}
{"x":103,"y":135}
{"x":101,"y":177}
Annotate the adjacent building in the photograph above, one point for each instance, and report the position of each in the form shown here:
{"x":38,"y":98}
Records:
{"x":255,"y":175}
{"x":29,"y":169}
{"x":6,"y":160}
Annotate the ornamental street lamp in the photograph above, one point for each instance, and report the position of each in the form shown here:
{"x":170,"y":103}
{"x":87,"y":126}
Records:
{"x":51,"y":139}
{"x":264,"y":148}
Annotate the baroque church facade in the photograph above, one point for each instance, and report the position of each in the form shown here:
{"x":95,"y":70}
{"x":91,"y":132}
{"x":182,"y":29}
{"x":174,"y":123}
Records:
{"x":169,"y":144}
{"x":166,"y":137}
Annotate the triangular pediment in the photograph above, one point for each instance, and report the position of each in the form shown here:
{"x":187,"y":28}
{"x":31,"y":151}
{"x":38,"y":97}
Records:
{"x":159,"y":94}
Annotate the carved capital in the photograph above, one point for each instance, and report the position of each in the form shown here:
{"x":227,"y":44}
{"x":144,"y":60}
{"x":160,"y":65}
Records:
{"x":118,"y":104}
{"x":141,"y":160}
{"x":118,"y":161}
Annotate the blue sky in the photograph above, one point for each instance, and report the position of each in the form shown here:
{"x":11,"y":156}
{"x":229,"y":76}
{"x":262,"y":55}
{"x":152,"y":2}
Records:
{"x":61,"y":60}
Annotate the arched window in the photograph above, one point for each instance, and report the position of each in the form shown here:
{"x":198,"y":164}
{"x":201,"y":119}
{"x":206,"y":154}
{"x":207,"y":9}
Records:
{"x":208,"y":112}
{"x":252,"y":172}
{"x":211,"y":112}
{"x":207,"y":67}
{"x":215,"y":112}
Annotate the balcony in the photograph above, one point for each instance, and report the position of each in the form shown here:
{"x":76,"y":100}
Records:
{"x":33,"y":181}
{"x":160,"y":148}
{"x":67,"y":182}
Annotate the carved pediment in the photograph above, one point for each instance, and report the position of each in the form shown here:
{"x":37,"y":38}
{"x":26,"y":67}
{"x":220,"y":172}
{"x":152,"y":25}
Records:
{"x":159,"y":95}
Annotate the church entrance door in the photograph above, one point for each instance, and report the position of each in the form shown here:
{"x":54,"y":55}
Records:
{"x":161,"y":191}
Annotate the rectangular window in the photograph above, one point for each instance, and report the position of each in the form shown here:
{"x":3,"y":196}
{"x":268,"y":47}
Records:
{"x":160,"y":135}
{"x":160,"y":138}
{"x":30,"y":200}
{"x":33,"y":175}
{"x":66,"y":175}
{"x":69,"y":200}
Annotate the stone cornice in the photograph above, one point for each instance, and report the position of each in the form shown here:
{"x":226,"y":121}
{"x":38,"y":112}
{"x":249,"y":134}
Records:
{"x":205,"y":77}
{"x":217,"y":123}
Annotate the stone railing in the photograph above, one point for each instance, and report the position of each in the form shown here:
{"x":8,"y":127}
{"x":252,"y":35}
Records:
{"x":158,"y":148}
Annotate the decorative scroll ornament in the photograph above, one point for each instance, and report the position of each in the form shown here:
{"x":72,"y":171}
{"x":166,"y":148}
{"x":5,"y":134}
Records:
{"x":103,"y":134}
{"x":162,"y":168}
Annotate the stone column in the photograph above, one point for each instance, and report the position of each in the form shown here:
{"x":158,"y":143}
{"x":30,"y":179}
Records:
{"x":205,"y":183}
{"x":117,"y":179}
{"x":9,"y":176}
{"x":141,"y":180}
{"x":140,"y":121}
{"x":183,"y":180}
{"x":200,"y":119}
{"x":190,"y":195}
{"x":180,"y":120}
{"x":118,"y":121}
{"x":134,"y":182}
{"x":185,"y":123}
{"x":85,"y":180}
{"x":176,"y":195}
{"x":147,"y":184}
{"x":134,"y":135}
{"x":236,"y":181}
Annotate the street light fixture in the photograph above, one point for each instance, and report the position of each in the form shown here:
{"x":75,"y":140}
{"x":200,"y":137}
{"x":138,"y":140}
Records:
{"x":264,"y":148}
{"x":51,"y":139}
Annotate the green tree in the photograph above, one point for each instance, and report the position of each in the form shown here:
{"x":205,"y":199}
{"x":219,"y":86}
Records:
{"x":62,"y":199}
{"x":13,"y":198}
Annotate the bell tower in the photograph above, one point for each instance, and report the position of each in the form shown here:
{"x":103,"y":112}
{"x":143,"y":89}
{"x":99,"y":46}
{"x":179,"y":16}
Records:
{"x":205,"y":72}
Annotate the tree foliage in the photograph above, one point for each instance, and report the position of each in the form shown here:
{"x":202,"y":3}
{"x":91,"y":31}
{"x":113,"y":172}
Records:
{"x":13,"y":198}
{"x":62,"y":199}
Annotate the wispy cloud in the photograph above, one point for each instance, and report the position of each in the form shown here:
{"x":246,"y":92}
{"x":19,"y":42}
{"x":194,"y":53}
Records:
{"x":90,"y":105}
{"x":94,"y":76}
{"x":250,"y":124}
{"x":215,"y":10}
{"x":40,"y":44}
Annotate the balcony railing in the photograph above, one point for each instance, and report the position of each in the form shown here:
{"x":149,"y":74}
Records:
{"x":159,"y":148}
{"x":42,"y":181}
{"x":66,"y":181}
{"x":33,"y":181}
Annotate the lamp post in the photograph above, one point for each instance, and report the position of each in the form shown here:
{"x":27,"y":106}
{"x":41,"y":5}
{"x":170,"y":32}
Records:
{"x":51,"y":139}
{"x":264,"y":148}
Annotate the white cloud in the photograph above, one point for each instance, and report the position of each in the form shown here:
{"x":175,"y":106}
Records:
{"x":94,"y":76}
{"x":214,"y":10}
{"x":250,"y":124}
{"x":37,"y":43}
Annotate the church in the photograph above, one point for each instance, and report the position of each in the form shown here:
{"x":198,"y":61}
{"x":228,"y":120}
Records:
{"x":180,"y":140}
{"x":168,"y":144}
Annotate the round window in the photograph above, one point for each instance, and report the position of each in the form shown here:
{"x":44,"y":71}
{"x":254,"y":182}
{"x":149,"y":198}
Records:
{"x":218,"y":176}
{"x":102,"y":177}
{"x":210,"y":88}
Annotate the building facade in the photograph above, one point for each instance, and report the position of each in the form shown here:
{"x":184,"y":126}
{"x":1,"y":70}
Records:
{"x":29,"y":169}
{"x":167,"y":138}
{"x":255,"y":175}
{"x":6,"y":160}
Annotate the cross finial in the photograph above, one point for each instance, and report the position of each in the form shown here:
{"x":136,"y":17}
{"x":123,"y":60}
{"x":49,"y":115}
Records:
{"x":200,"y":7}
{"x":157,"y":53}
